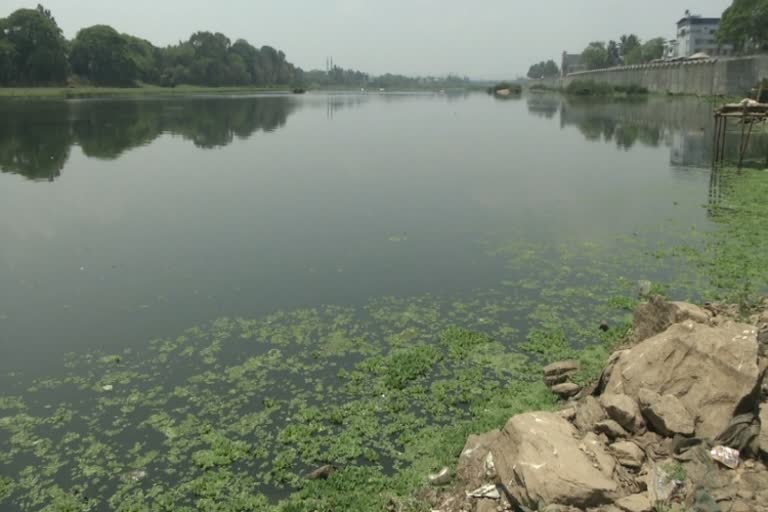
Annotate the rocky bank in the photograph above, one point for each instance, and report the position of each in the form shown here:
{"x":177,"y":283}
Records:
{"x":675,"y":422}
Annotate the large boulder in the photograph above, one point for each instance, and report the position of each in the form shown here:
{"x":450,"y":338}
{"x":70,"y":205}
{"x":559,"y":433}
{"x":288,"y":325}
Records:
{"x":624,"y":410}
{"x":541,"y":461}
{"x":589,"y":412}
{"x":709,"y":369}
{"x":666,"y":414}
{"x":655,"y":316}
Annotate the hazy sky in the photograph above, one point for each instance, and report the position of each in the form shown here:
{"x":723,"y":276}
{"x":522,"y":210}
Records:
{"x":481,"y":38}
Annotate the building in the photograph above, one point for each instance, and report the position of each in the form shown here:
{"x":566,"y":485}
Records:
{"x":696,"y":34}
{"x":571,"y":63}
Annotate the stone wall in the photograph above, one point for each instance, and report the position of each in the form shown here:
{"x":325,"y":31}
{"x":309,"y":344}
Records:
{"x":730,"y":77}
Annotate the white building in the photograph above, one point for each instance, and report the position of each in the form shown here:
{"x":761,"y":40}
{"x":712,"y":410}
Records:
{"x":696,"y":34}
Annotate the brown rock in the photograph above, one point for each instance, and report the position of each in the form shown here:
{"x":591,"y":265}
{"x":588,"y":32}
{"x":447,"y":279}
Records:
{"x":624,"y":410}
{"x":611,"y":429}
{"x":666,"y":414}
{"x":540,"y":460}
{"x":628,"y":454}
{"x":588,"y":413}
{"x":635,"y":503}
{"x":471,"y":467}
{"x":568,"y":414}
{"x":566,"y":389}
{"x":557,"y":373}
{"x":656,"y":316}
{"x":710,"y":369}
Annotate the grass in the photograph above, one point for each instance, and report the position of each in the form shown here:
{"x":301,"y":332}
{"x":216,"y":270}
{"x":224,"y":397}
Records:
{"x":144,"y":90}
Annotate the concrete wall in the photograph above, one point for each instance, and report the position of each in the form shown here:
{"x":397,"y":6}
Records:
{"x":730,"y":77}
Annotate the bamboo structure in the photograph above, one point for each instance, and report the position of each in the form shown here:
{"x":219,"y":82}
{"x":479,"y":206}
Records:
{"x":747,"y":113}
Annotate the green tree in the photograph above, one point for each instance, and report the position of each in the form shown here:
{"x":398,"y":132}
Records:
{"x":34,"y":41}
{"x":745,"y":25}
{"x":627,"y":43}
{"x":102,"y":55}
{"x":653,"y":49}
{"x":614,"y":57}
{"x":543,"y":70}
{"x":595,"y":55}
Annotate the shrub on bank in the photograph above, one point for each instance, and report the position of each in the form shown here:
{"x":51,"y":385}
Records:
{"x":592,"y":88}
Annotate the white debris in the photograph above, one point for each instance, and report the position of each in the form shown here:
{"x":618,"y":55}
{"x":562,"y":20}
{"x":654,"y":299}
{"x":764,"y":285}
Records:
{"x":487,"y":491}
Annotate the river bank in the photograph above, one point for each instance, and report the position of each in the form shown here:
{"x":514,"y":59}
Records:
{"x":231,"y":415}
{"x":117,"y":92}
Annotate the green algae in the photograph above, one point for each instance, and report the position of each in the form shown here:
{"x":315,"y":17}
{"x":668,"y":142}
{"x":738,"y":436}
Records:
{"x":229,"y":416}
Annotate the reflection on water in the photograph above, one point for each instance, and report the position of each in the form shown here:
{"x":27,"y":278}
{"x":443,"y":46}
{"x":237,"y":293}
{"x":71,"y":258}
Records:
{"x":684,"y":125}
{"x":35,"y":139}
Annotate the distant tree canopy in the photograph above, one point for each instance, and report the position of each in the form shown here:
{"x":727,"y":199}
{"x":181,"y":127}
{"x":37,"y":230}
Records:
{"x":32,"y":48}
{"x":543,"y":70}
{"x":745,"y":25}
{"x":33,"y":51}
{"x":628,"y":50}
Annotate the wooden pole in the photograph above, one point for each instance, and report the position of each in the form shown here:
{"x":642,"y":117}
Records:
{"x":714,"y":140}
{"x":745,"y":142}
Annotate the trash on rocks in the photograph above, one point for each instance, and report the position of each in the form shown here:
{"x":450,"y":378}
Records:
{"x":490,"y":466}
{"x":442,"y":477}
{"x":728,"y":457}
{"x":644,"y":288}
{"x":487,"y":491}
{"x":662,"y":485}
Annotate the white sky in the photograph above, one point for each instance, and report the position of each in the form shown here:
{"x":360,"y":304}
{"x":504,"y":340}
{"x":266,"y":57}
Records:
{"x":480,"y":38}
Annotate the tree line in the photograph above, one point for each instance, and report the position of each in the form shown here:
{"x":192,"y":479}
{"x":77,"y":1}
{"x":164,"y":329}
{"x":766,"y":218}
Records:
{"x":33,"y":51}
{"x":543,"y":69}
{"x":627,"y":51}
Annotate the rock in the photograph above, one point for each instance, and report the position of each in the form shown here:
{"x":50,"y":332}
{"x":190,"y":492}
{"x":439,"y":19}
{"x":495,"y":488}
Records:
{"x":628,"y":454}
{"x":557,"y":373}
{"x":655,"y":317}
{"x":762,"y":339}
{"x":624,"y":410}
{"x":471,"y":467}
{"x":666,"y":414}
{"x":321,"y":473}
{"x":711,"y":370}
{"x":442,"y":477}
{"x":566,"y":390}
{"x":540,"y":460}
{"x":588,"y":413}
{"x":635,"y":503}
{"x":611,"y":429}
{"x":762,"y":440}
{"x":568,"y":414}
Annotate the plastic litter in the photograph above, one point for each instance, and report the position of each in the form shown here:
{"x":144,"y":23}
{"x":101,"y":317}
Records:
{"x":728,"y":457}
{"x":489,"y":466}
{"x":487,"y":491}
{"x":107,"y":387}
{"x":442,"y":477}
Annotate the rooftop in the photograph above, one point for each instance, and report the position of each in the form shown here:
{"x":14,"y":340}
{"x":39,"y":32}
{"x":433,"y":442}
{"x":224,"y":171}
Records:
{"x":698,"y":20}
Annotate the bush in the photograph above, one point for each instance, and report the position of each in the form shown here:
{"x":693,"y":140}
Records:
{"x":592,"y":88}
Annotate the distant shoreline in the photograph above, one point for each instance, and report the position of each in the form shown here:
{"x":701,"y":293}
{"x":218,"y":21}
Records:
{"x":105,"y":92}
